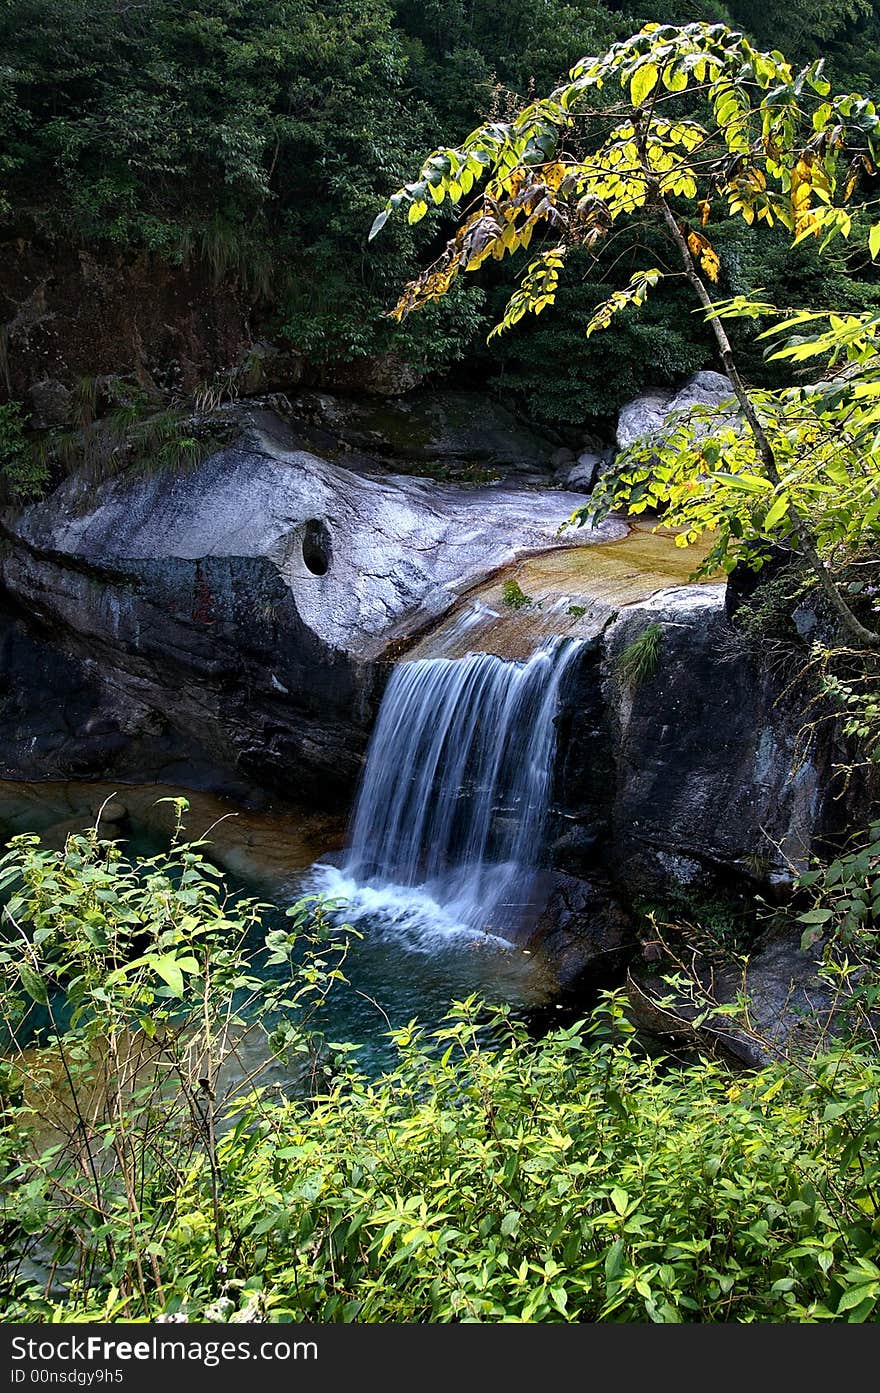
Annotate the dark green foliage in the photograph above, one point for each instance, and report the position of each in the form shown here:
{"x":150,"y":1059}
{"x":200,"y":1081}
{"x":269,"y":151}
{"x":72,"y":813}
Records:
{"x":765,"y":616}
{"x":563,"y":377}
{"x":256,"y":137}
{"x":719,"y":927}
{"x":845,"y":32}
{"x":846,"y":898}
{"x":262,"y":136}
{"x":23,"y":474}
{"x":839,"y":278}
{"x":117,"y":426}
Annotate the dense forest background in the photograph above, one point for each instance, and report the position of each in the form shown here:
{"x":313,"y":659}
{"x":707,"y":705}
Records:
{"x":256,"y":139}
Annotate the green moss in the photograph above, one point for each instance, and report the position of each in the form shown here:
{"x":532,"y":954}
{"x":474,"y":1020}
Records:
{"x":513,"y":596}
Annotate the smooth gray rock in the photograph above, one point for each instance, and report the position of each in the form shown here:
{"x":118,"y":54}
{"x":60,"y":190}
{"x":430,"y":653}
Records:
{"x":648,"y":412}
{"x":365,"y":560}
{"x":583,"y":475}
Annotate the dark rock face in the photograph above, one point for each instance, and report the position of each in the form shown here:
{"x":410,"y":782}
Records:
{"x":50,"y":404}
{"x":65,"y":716}
{"x":706,"y":773}
{"x":452,"y":430}
{"x":193,"y":669}
{"x":689,"y":778}
{"x":584,"y":933}
{"x":71,"y":315}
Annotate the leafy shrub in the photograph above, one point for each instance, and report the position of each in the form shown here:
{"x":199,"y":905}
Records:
{"x":23,"y":473}
{"x":134,"y":1015}
{"x":573,"y":1180}
{"x":486,"y":1177}
{"x":846,"y":897}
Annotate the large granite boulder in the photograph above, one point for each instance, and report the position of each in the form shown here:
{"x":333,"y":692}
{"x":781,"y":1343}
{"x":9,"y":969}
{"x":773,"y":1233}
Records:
{"x":648,"y":412}
{"x":252,"y":602}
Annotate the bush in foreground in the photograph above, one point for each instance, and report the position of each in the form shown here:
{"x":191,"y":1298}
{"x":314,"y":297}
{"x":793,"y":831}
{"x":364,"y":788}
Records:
{"x":487,"y":1177}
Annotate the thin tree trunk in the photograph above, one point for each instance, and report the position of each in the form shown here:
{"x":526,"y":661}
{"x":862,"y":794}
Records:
{"x":808,"y":547}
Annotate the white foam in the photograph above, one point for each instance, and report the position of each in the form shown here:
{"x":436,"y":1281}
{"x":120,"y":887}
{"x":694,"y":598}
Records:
{"x":407,"y":914}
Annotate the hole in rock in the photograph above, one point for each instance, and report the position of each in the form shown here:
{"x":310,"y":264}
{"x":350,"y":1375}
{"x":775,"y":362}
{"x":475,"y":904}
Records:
{"x":317,"y":547}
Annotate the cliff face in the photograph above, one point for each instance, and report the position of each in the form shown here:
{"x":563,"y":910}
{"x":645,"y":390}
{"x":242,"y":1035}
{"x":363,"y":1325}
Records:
{"x":69,"y":314}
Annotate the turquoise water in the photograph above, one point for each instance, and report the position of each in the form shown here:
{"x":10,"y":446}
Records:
{"x":392,"y":976}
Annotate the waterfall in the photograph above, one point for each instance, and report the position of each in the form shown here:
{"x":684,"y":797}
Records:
{"x":448,"y":830}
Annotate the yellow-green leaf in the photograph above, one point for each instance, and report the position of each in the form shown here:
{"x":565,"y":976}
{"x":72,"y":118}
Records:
{"x":167,"y":968}
{"x":644,"y":80}
{"x":874,"y":240}
{"x":777,"y":511}
{"x":675,"y":79}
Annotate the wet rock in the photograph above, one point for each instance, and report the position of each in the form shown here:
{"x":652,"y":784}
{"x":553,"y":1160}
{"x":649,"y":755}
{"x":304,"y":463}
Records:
{"x":690,"y":777}
{"x":584,"y":934}
{"x":706,"y":773}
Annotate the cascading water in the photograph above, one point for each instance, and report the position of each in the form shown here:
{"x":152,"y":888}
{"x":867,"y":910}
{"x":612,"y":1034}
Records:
{"x":449,"y":825}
